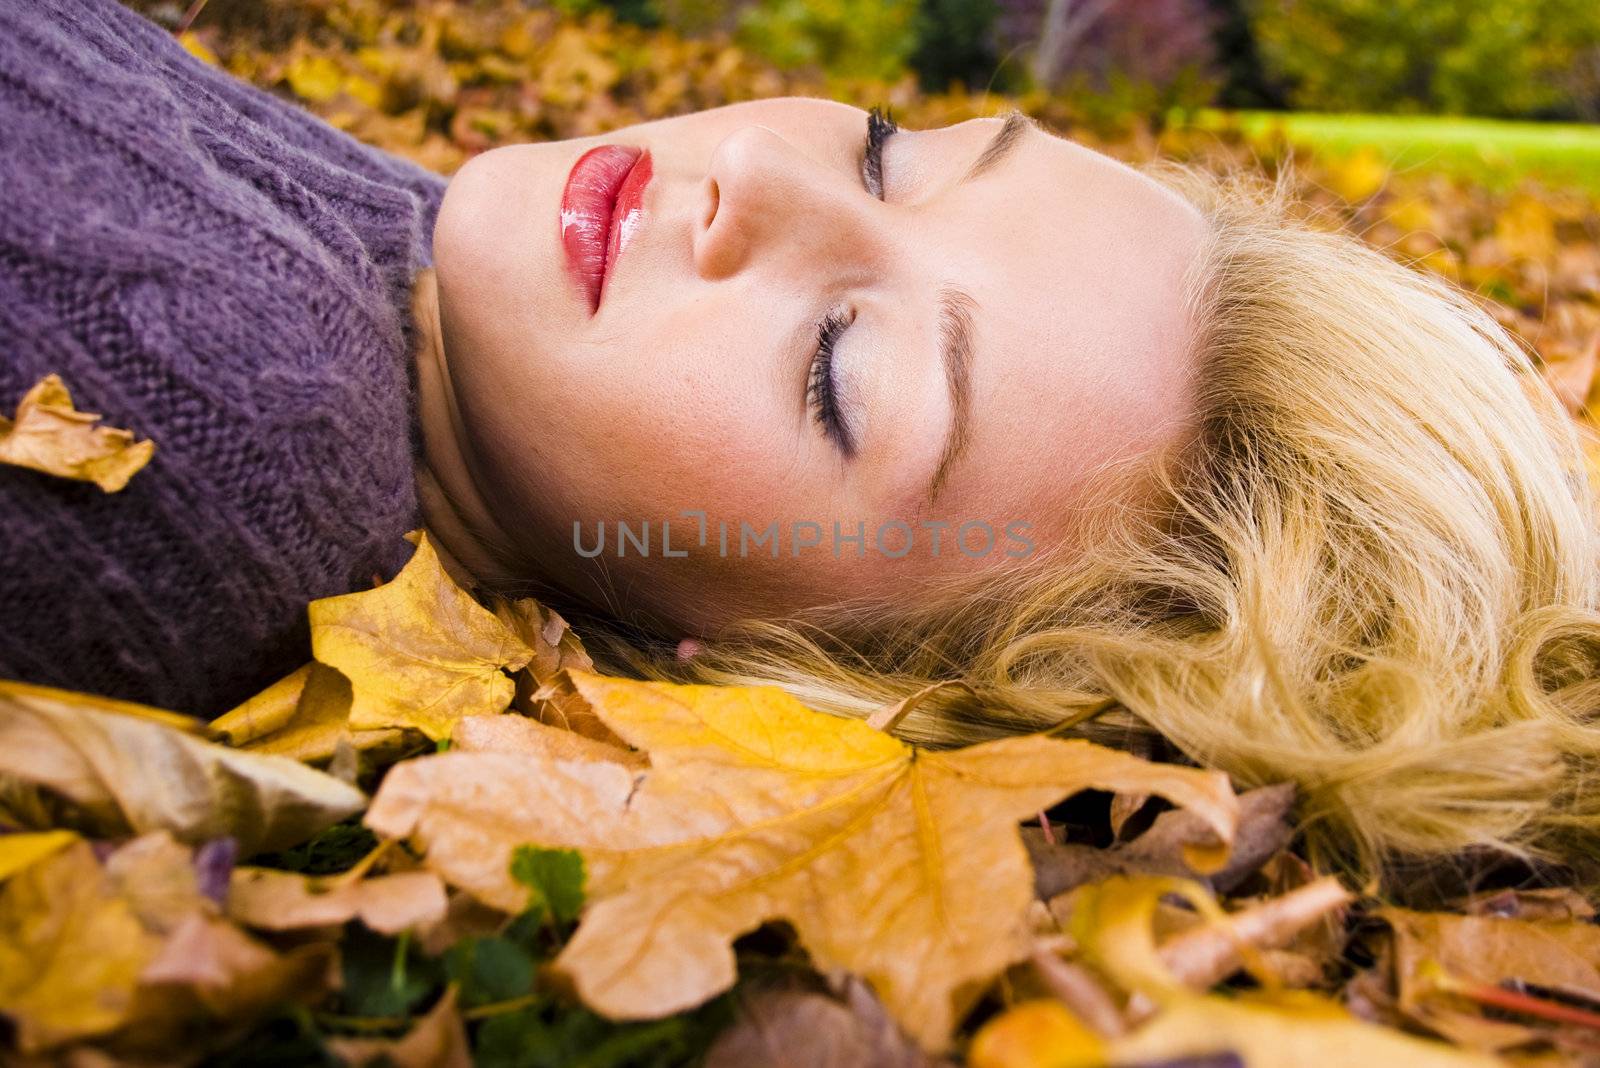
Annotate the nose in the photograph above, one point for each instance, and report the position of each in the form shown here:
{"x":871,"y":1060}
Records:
{"x":764,"y":199}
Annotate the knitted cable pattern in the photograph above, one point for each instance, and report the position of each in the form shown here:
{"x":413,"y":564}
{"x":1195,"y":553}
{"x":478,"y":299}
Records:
{"x":213,"y":268}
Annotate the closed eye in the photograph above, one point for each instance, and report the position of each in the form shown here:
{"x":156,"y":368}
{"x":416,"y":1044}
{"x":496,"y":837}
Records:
{"x":821,"y":394}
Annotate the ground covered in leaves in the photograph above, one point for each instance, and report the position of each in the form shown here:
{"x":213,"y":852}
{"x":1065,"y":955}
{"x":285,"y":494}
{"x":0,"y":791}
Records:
{"x":447,"y":840}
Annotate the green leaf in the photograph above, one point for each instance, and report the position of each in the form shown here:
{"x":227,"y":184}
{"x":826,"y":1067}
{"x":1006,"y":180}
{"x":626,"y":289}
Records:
{"x":555,"y":878}
{"x":488,"y":970}
{"x":570,"y":1037}
{"x":385,"y":976}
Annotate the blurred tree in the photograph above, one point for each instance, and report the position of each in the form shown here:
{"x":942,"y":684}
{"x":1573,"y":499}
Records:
{"x":646,"y":13}
{"x":1145,"y":55}
{"x":1483,"y":57}
{"x":849,"y":38}
{"x":955,"y":41}
{"x":1245,"y":83}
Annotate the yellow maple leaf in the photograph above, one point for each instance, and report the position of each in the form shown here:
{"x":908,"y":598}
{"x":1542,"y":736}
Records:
{"x":419,"y":651}
{"x":52,"y":436}
{"x":901,"y":865}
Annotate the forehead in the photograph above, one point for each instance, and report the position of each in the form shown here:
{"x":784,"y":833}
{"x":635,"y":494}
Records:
{"x":1082,"y":347}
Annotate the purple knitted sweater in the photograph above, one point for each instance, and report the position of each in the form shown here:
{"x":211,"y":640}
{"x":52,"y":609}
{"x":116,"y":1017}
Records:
{"x":229,"y":276}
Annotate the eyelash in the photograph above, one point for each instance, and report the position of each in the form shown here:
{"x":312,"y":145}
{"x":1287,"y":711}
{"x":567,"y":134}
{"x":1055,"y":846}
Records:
{"x":820,"y":395}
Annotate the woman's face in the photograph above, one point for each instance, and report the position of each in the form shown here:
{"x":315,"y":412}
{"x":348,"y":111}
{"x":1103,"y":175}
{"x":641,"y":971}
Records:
{"x":1003,"y":312}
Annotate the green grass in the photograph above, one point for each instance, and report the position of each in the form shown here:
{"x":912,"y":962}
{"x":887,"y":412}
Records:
{"x":1494,"y":152}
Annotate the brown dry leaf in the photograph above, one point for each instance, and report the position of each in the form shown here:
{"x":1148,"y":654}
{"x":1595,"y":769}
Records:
{"x":50,"y":435}
{"x":155,"y":874}
{"x":543,"y":692}
{"x":301,"y":716}
{"x":71,"y":950}
{"x":131,"y":773}
{"x":419,"y":651}
{"x":209,"y":974}
{"x":519,"y":734}
{"x":1263,"y":830}
{"x":1563,"y":956}
{"x":1206,"y":954}
{"x":554,"y":644}
{"x":438,"y":1041}
{"x":809,"y":1029}
{"x":282,"y":901}
{"x":751,"y":805}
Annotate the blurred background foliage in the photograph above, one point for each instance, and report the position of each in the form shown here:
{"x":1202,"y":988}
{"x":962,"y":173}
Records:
{"x":1512,"y":58}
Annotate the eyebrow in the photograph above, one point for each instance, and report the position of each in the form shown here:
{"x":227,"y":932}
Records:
{"x":955,"y":347}
{"x":1004,"y":141}
{"x":956,"y":307}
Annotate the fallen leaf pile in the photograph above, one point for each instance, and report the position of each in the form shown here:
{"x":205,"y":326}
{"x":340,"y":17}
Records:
{"x":448,"y":840}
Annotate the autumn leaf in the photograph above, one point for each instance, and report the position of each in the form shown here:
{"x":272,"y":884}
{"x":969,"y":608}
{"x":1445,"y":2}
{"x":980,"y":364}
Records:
{"x":18,"y":851}
{"x":209,"y":970}
{"x":302,"y":716}
{"x":1287,"y":1029}
{"x":543,"y":691}
{"x":133,"y":773}
{"x":752,"y":803}
{"x":519,"y":734}
{"x":1438,"y":954}
{"x":130,"y":952}
{"x":1040,"y":1033}
{"x":1263,"y":830}
{"x":1114,"y":925}
{"x":71,"y":950}
{"x":419,"y":651}
{"x":796,"y":1028}
{"x":52,"y":436}
{"x":284,"y":901}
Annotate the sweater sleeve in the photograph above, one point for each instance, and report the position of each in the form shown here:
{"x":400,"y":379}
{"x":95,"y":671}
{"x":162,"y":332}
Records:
{"x":221,"y":272}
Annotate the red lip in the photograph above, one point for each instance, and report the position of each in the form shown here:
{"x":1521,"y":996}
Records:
{"x":601,"y":208}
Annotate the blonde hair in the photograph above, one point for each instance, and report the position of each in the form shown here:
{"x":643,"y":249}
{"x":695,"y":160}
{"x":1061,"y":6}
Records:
{"x":1373,"y":571}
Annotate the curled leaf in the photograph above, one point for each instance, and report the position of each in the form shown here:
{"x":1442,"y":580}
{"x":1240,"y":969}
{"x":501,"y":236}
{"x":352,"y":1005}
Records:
{"x":302,"y":716}
{"x":52,"y":436}
{"x":133,"y":773}
{"x":419,"y":651}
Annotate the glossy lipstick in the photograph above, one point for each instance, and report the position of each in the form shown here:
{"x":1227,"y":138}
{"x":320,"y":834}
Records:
{"x":601,"y":209}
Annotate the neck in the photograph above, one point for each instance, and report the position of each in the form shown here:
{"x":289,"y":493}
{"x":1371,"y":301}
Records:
{"x":454,"y":509}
